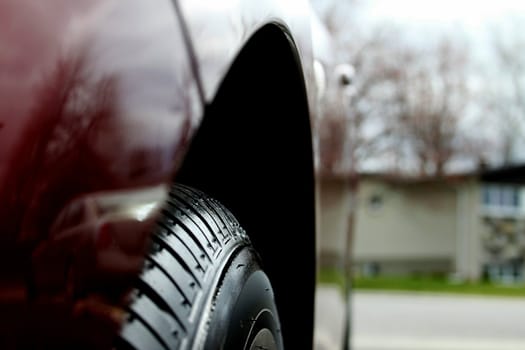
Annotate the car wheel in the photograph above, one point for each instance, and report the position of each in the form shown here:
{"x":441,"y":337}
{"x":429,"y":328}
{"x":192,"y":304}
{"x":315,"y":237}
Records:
{"x":202,"y":286}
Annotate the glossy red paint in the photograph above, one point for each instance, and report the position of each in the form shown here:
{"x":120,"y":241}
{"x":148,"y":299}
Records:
{"x":73,"y":119}
{"x":96,"y":98}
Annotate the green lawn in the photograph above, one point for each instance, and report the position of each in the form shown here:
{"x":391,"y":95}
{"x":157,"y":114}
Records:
{"x":331,"y":276}
{"x":422,"y":284}
{"x":437,"y":285}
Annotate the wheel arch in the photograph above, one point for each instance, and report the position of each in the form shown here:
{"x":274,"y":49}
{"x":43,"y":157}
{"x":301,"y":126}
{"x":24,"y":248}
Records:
{"x":253,"y":152}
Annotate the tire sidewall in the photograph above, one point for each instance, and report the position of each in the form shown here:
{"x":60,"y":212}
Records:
{"x":243,"y":306}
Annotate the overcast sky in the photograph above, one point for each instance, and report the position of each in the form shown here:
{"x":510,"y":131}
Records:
{"x":422,"y":22}
{"x":474,"y":21}
{"x":471,"y":17}
{"x":473,"y":14}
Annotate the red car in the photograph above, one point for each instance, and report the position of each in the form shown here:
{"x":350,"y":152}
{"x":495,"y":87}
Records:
{"x":119,"y":122}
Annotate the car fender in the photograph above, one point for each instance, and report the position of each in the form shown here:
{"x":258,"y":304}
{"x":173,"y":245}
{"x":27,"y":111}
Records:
{"x":253,"y":150}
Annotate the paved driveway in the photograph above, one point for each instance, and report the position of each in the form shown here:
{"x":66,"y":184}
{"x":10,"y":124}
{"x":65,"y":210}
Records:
{"x":329,"y":318}
{"x":399,"y":321}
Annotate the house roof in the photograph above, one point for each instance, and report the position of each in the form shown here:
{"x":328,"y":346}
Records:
{"x":514,"y":174}
{"x":402,"y":179}
{"x":396,"y":178}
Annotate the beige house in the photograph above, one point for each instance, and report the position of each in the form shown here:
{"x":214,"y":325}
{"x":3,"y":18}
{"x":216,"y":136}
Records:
{"x":465,"y":226}
{"x":410,"y":226}
{"x":334,"y":221}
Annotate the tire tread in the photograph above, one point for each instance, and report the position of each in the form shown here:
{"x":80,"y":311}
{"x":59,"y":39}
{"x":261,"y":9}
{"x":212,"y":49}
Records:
{"x":193,"y":237}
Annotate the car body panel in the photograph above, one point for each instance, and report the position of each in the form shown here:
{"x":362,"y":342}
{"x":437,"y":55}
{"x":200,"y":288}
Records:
{"x":99,"y":100}
{"x":88,"y":88}
{"x":97,"y":105}
{"x":217,"y":42}
{"x":125,"y":62}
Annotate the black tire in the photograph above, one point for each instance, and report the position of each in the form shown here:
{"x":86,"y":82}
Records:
{"x":202,"y":286}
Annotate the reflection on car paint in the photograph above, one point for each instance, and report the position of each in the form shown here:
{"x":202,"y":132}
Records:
{"x":97,"y":100}
{"x":98,"y":106}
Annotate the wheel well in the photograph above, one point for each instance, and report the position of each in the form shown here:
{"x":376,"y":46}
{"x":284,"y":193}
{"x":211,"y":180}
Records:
{"x":253,"y":152}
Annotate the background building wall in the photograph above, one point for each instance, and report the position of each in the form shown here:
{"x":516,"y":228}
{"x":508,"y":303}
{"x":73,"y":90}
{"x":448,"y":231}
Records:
{"x":469,"y":229}
{"x":335,"y":202}
{"x":405,"y":227}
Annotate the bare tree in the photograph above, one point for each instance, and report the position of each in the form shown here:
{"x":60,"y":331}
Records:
{"x":504,"y":92}
{"x":332,"y":136}
{"x":430,"y":99}
{"x":350,"y":132}
{"x":369,"y":129}
{"x":416,"y":99}
{"x":407,"y":107}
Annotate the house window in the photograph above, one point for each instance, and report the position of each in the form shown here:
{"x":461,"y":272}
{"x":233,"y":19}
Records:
{"x":375,"y":201}
{"x":501,"y":197}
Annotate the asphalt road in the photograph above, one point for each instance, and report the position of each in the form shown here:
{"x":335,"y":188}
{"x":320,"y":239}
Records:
{"x":398,"y":321}
{"x":329,"y":319}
